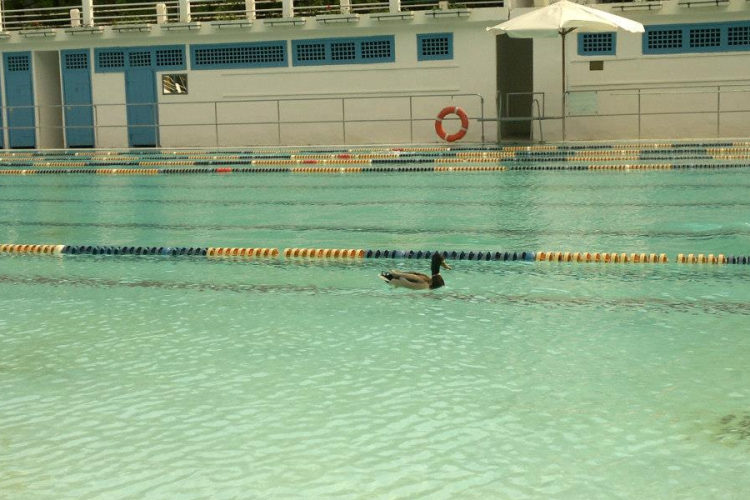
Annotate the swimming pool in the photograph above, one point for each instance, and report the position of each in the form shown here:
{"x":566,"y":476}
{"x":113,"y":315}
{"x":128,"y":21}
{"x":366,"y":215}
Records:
{"x":158,"y":377}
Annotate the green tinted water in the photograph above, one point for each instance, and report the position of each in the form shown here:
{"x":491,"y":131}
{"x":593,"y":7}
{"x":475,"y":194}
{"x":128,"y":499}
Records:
{"x":145,"y":377}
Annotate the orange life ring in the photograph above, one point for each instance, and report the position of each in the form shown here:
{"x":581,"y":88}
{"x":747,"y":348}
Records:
{"x":439,"y":123}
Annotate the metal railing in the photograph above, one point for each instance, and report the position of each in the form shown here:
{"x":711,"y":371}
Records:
{"x":671,"y":106}
{"x":49,"y":121}
{"x":210,"y":10}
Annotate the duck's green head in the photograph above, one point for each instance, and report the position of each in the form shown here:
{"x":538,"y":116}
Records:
{"x":438,"y":261}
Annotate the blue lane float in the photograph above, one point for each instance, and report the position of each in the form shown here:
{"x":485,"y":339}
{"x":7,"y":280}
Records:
{"x":451,"y":254}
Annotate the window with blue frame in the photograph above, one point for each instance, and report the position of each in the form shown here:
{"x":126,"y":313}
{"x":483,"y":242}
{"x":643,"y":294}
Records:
{"x":597,"y":44}
{"x":692,"y":38}
{"x":434,"y":46}
{"x":361,"y":50}
{"x":239,"y":55}
{"x":157,"y":57}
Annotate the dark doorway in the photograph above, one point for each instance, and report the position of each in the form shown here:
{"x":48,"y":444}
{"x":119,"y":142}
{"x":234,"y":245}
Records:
{"x":515,"y":74}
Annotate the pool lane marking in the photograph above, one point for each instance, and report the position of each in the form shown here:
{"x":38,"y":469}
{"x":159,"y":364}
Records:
{"x":331,"y":253}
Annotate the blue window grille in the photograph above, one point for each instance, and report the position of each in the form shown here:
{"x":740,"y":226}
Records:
{"x":377,"y":50}
{"x":738,"y":36}
{"x":597,"y":44}
{"x":435,"y":46}
{"x":17,"y":63}
{"x":140,"y":59}
{"x":692,"y":38}
{"x":159,"y":57}
{"x":109,"y":60}
{"x":312,"y":52}
{"x":170,"y":57}
{"x":663,"y":40}
{"x":705,"y":37}
{"x":362,"y":50}
{"x":241,"y":55}
{"x":343,"y":51}
{"x":76,"y":60}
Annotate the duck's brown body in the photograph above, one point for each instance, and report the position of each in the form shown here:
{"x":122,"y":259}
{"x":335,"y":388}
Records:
{"x":415,"y":280}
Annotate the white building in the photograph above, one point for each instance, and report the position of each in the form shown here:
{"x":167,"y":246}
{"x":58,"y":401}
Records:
{"x":166,"y":75}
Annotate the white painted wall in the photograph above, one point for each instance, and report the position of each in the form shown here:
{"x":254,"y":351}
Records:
{"x":48,"y":99}
{"x":312,"y":101}
{"x":108,"y":96}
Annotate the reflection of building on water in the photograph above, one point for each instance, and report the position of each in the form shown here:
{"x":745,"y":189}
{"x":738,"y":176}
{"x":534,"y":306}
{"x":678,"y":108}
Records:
{"x":262,"y":73}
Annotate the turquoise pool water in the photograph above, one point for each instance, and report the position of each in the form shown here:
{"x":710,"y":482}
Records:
{"x":190,"y":378}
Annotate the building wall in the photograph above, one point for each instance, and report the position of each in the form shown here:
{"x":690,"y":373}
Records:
{"x":242,"y":107}
{"x":677,"y":95}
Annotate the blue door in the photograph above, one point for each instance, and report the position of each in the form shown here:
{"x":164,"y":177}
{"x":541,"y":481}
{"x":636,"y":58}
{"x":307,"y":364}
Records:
{"x":79,"y":116}
{"x":19,"y":100}
{"x":140,"y":95}
{"x":2,"y":131}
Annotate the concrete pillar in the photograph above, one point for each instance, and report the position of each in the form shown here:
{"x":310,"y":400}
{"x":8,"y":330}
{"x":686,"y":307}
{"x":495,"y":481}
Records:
{"x":287,"y":8}
{"x":394,"y":6}
{"x":346,"y":6}
{"x":185,"y":11}
{"x":161,"y":13}
{"x":250,"y":10}
{"x":75,"y":18}
{"x":87,"y":11}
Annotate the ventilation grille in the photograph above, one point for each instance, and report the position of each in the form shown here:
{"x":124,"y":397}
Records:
{"x":435,"y":46}
{"x":247,"y":55}
{"x":111,"y":59}
{"x":597,"y":44}
{"x":77,"y":61}
{"x":17,"y":63}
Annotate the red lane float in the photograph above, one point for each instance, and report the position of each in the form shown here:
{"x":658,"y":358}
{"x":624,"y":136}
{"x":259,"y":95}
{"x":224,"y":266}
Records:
{"x":452,"y":110}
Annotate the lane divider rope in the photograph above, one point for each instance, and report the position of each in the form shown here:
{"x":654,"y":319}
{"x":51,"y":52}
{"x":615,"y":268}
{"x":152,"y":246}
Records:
{"x":355,"y":253}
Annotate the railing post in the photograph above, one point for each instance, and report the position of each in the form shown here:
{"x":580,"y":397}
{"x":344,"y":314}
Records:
{"x":95,"y":126}
{"x":2,"y":27}
{"x":343,"y":118}
{"x":394,"y":6}
{"x":161,"y":13}
{"x":87,"y":10}
{"x":639,"y":114}
{"x":185,"y":11}
{"x":346,"y":6}
{"x":75,"y":18}
{"x":411,"y":119}
{"x":481,"y":102}
{"x":287,"y":8}
{"x":216,"y":122}
{"x":278,"y":119}
{"x":250,"y":10}
{"x":718,"y":111}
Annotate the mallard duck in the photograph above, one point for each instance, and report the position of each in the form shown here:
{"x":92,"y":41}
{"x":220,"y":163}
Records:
{"x":418,"y":281}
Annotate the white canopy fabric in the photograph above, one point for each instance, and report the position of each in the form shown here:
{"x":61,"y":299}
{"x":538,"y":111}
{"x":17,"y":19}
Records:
{"x":561,"y":17}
